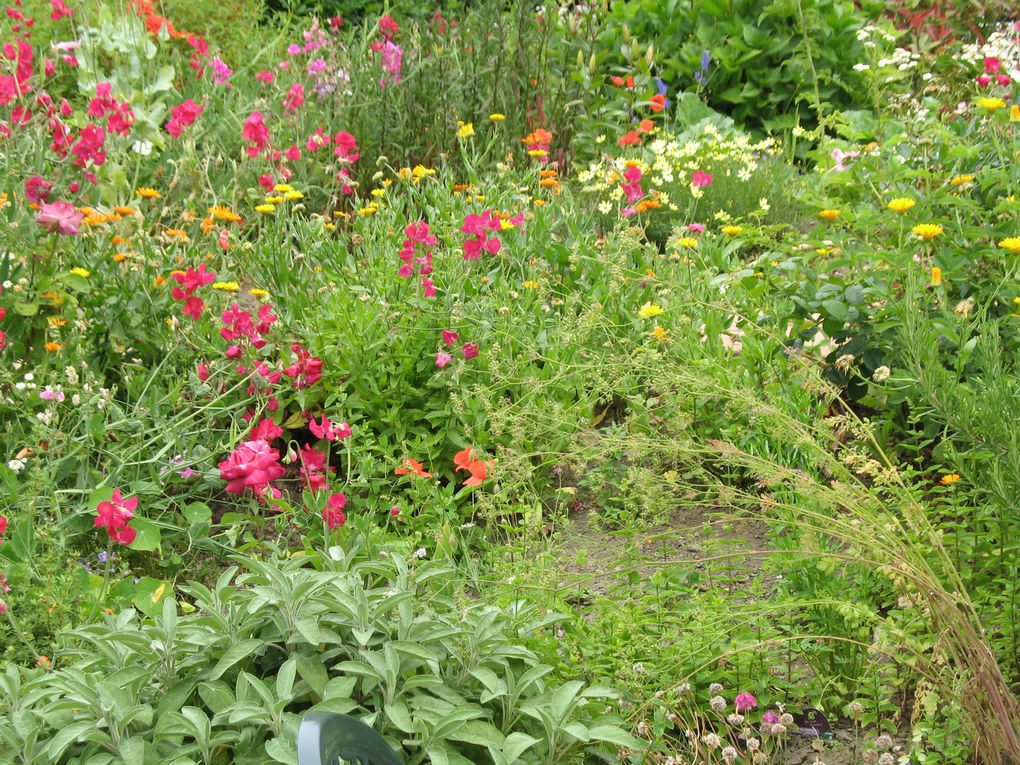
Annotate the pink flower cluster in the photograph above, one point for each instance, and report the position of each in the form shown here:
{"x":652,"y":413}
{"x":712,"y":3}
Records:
{"x":478,"y":227}
{"x":468,"y":350}
{"x":114,"y":516}
{"x":188,"y":283}
{"x":392,"y":54}
{"x":417,"y":256}
{"x":256,"y":134}
{"x":306,"y":371}
{"x":239,"y":325}
{"x":182,"y":116}
{"x":993,"y":68}
{"x":119,"y":115}
{"x":252,"y":466}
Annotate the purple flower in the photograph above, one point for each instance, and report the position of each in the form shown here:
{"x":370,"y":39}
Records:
{"x":770,"y":718}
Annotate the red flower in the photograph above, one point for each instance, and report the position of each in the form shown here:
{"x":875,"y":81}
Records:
{"x":3,"y":525}
{"x":449,"y":337}
{"x":306,"y":371}
{"x":409,"y":466}
{"x":333,"y":512}
{"x":657,"y":102}
{"x":629,"y":138}
{"x":253,"y":465}
{"x":266,"y":430}
{"x":464,"y":460}
{"x":470,"y":350}
{"x":114,"y":516}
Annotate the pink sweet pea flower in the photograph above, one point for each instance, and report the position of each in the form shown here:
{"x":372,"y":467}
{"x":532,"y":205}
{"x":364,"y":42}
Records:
{"x":449,"y":337}
{"x":59,"y":217}
{"x":333,"y":513}
{"x":701,"y":179}
{"x":470,"y":350}
{"x":326,"y":429}
{"x":442,"y":359}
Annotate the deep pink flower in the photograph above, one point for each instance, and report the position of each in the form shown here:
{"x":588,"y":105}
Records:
{"x":203,"y":371}
{"x":449,"y":337}
{"x":114,"y":516}
{"x":306,"y":371}
{"x":770,"y":717}
{"x":333,"y":513}
{"x":255,"y":133}
{"x":744,"y":702}
{"x":59,"y":217}
{"x":253,"y":465}
{"x":479,"y":227}
{"x":3,"y":525}
{"x":697,"y":228}
{"x":992,"y":65}
{"x":442,"y":359}
{"x":266,"y":430}
{"x":470,"y":350}
{"x":182,"y":116}
{"x":326,"y":429}
{"x":314,"y":468}
{"x":983,"y":80}
{"x":700,"y":179}
{"x":60,"y":10}
{"x":37,"y":190}
{"x":295,"y":98}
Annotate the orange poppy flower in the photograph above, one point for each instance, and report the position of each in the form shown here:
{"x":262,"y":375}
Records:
{"x":464,"y":460}
{"x":629,"y":138}
{"x":646,"y":126}
{"x":411,"y":467}
{"x":657,"y":102}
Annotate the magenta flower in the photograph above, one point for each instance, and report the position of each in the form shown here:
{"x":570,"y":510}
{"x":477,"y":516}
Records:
{"x":333,"y":513}
{"x":442,"y":359}
{"x":59,"y":217}
{"x":326,"y":429}
{"x":697,"y":228}
{"x":701,"y":180}
{"x":449,"y":337}
{"x":745,"y":702}
{"x":770,"y":718}
{"x":470,"y":350}
{"x":114,"y":516}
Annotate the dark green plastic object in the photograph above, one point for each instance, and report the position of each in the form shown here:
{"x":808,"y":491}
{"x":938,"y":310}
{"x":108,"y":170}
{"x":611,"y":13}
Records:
{"x":326,"y":738}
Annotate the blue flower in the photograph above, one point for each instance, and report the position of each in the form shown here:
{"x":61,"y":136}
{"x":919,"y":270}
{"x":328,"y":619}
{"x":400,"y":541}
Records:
{"x":660,"y":86}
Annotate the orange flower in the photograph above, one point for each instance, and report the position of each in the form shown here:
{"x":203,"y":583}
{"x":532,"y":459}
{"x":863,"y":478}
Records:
{"x":549,"y":183}
{"x":657,"y":102}
{"x":547,"y":173}
{"x":43,"y":661}
{"x":629,"y":138}
{"x":53,"y":347}
{"x":464,"y":460}
{"x":646,"y":126}
{"x":409,"y":466}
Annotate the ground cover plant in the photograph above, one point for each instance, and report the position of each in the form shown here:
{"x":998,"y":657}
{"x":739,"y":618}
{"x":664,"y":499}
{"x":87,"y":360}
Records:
{"x":628,"y":382}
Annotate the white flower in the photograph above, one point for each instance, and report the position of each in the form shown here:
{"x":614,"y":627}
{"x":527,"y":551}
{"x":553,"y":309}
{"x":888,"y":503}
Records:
{"x":881,"y":374}
{"x":861,"y":67}
{"x":763,"y":203}
{"x":16,"y":465}
{"x":142,"y":147}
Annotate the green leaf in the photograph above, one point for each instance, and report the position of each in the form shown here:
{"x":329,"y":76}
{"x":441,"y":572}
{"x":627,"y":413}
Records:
{"x":233,"y":655}
{"x":314,"y":673}
{"x":398,"y":715}
{"x":148,"y":537}
{"x":66,"y":736}
{"x":614,"y":735}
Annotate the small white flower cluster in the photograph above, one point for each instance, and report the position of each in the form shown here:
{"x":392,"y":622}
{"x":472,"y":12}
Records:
{"x":1003,"y":44}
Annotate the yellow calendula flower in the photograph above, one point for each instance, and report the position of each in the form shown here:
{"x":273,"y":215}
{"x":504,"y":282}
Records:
{"x":649,"y":310}
{"x":540,"y":202}
{"x":265,"y":209}
{"x":293,"y":195}
{"x":259,"y":293}
{"x":147,"y":193}
{"x":927,"y":231}
{"x":282,"y":187}
{"x":829,"y":214}
{"x":1014,"y":113}
{"x":83,"y":273}
{"x":371,"y":209}
{"x":122,"y":210}
{"x":528,"y":284}
{"x":731,"y":230}
{"x":936,"y":276}
{"x":688,"y":242}
{"x":273,"y":200}
{"x":465,"y":129}
{"x":961,"y":180}
{"x":1010,"y":244}
{"x":226,"y":286}
{"x":56,"y":321}
{"x":378,"y":192}
{"x":901,"y":204}
{"x":497,"y":117}
{"x":660,"y":333}
{"x":990,"y":104}
{"x":950,"y":479}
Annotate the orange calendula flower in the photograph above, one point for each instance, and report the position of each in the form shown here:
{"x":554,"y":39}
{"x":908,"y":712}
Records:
{"x":550,"y":173}
{"x":950,"y":479}
{"x":549,"y":183}
{"x":936,"y":276}
{"x":123,"y":210}
{"x":147,"y":193}
{"x":409,"y":466}
{"x":53,"y":347}
{"x":829,"y":214}
{"x":464,"y":460}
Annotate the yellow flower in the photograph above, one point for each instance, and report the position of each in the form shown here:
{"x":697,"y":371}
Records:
{"x":466,"y":129}
{"x":936,"y":276}
{"x":1014,"y":113}
{"x":688,"y":241}
{"x":265,"y":209}
{"x":371,"y":209}
{"x":960,"y":180}
{"x":540,"y":202}
{"x":56,"y":321}
{"x":80,"y":272}
{"x":950,"y":479}
{"x":293,"y":195}
{"x":649,"y":310}
{"x":927,"y":231}
{"x":731,"y":230}
{"x":122,"y":210}
{"x":378,"y":192}
{"x":419,"y":172}
{"x":537,"y":152}
{"x":660,"y":333}
{"x":259,"y":293}
{"x":222,"y":212}
{"x":497,"y":117}
{"x":226,"y":286}
{"x":901,"y":204}
{"x":147,"y":193}
{"x":282,"y":187}
{"x":829,"y":214}
{"x":1011,"y":244}
{"x":990,"y":104}
{"x":274,"y":200}
{"x":528,"y":284}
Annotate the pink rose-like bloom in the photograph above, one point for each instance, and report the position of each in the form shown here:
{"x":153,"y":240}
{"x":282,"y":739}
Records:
{"x":700,"y":179}
{"x":60,"y":217}
{"x":394,"y":511}
{"x":992,"y":65}
{"x":253,"y":465}
{"x":983,"y":80}
{"x":442,"y":359}
{"x":37,"y":190}
{"x":745,"y":702}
